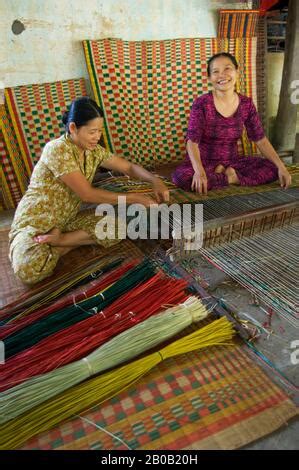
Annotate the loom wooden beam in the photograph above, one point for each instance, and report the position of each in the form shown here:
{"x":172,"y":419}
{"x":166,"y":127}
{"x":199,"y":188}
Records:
{"x":226,"y":229}
{"x":285,"y":124}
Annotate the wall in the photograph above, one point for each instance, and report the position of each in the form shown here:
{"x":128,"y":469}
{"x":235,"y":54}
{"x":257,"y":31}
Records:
{"x":274,"y":76}
{"x":50,"y":46}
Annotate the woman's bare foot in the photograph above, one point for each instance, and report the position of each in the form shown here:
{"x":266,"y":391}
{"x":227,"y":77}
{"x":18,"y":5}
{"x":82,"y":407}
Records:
{"x":65,"y":240}
{"x":51,"y":238}
{"x":232,"y":177}
{"x":219,"y":169}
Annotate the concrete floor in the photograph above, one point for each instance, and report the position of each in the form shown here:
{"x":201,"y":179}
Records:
{"x":6,"y":218}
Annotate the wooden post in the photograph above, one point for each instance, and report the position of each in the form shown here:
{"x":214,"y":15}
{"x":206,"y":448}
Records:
{"x":285,"y":124}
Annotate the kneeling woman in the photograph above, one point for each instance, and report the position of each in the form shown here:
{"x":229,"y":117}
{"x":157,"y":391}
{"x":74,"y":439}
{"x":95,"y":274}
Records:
{"x":216,"y":123}
{"x":47,"y":222}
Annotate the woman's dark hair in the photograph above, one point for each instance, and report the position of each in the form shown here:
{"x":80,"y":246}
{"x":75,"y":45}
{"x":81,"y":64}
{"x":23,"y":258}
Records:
{"x":81,"y":111}
{"x":222,"y":54}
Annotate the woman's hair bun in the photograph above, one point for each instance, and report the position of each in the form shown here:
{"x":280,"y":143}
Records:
{"x":65,"y":118}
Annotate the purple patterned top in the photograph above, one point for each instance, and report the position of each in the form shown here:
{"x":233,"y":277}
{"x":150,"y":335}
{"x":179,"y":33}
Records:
{"x":217,"y":135}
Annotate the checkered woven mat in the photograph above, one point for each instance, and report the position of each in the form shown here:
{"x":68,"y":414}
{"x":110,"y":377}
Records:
{"x":248,"y":23}
{"x":36,"y":113}
{"x":216,"y":398}
{"x":146,"y":89}
{"x":123,"y":184}
{"x":14,"y":177}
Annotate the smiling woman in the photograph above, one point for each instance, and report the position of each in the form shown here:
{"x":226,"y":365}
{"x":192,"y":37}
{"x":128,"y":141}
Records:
{"x":216,"y":124}
{"x":84,"y":123}
{"x":47,"y":222}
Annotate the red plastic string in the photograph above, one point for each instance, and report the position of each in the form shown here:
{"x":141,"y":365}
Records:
{"x":84,"y":292}
{"x":77,"y":341}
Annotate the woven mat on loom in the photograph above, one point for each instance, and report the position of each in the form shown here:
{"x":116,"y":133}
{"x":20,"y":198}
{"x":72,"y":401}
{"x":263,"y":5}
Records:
{"x":217,"y":398}
{"x":14,"y":291}
{"x":36,"y":112}
{"x":146,"y":89}
{"x":246,"y":24}
{"x":14,"y":177}
{"x":121,"y":183}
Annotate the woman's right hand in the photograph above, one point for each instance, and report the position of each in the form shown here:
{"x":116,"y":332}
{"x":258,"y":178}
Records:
{"x":200,"y":182}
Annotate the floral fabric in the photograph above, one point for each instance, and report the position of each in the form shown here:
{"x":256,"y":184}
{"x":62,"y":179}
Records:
{"x":49,"y":203}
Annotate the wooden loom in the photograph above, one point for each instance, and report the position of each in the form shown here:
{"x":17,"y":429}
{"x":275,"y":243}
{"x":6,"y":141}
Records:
{"x":234,"y":227}
{"x":232,"y":242}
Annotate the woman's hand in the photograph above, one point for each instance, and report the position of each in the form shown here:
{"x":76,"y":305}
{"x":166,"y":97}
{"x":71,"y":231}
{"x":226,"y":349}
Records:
{"x":160,"y":190}
{"x":200,"y":182}
{"x":135,"y":171}
{"x":285,"y":178}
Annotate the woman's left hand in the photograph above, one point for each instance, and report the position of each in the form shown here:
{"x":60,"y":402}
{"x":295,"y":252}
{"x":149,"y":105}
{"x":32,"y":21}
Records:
{"x":285,"y":178}
{"x":161,"y":191}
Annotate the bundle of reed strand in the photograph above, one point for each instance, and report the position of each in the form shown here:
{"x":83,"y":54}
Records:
{"x":97,"y":390}
{"x":75,"y":342}
{"x":63,"y":318}
{"x":53,"y":290}
{"x":95,"y":287}
{"x":123,"y":347}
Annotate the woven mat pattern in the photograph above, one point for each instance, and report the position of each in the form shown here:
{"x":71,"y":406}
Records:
{"x":14,"y":178}
{"x":217,"y":398}
{"x":238,"y":23}
{"x":146,"y":89}
{"x":248,"y":24}
{"x":261,"y":70}
{"x":36,"y":112}
{"x":122,"y":184}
